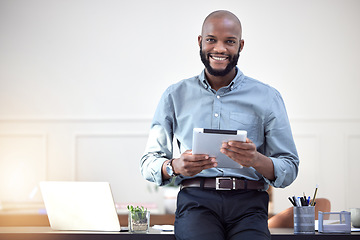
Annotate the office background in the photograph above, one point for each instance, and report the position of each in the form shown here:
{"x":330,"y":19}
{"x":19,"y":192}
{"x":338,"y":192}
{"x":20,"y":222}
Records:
{"x":80,"y":80}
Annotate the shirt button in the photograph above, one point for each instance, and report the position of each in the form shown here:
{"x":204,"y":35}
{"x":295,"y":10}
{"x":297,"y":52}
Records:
{"x":217,"y":96}
{"x":216,"y":114}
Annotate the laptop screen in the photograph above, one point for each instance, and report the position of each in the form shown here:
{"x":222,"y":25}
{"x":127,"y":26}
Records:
{"x":87,"y":206}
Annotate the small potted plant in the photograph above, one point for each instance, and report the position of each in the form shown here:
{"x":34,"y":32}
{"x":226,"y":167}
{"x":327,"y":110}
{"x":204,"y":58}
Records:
{"x":138,"y":219}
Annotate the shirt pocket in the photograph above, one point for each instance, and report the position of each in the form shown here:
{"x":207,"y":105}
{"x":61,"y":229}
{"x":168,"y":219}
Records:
{"x":250,"y":123}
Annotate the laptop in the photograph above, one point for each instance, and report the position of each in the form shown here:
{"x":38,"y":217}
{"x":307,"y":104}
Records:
{"x":80,"y":206}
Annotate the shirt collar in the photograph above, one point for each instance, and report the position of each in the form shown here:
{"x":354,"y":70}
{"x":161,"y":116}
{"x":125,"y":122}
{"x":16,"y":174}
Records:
{"x":233,"y":84}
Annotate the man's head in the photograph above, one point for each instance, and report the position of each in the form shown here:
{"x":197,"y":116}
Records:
{"x":220,"y":42}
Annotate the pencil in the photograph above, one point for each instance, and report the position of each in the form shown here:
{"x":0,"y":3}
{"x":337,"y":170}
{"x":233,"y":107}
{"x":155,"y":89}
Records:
{"x":313,"y":200}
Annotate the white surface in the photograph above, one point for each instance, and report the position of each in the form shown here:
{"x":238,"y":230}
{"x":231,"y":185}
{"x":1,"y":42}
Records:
{"x":166,"y":228}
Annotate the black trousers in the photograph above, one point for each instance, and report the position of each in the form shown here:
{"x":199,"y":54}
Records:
{"x":210,"y":214}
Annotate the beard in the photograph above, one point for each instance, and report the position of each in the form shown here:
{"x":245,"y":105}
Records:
{"x":232,"y":58}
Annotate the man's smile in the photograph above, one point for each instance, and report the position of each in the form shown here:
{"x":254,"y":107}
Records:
{"x":218,"y":57}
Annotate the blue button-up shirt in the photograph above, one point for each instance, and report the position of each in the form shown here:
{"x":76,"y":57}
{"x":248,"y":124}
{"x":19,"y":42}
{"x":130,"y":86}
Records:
{"x":245,"y":104}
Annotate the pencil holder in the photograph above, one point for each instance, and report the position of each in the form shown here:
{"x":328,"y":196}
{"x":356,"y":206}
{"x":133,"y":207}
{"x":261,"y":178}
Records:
{"x":304,"y":220}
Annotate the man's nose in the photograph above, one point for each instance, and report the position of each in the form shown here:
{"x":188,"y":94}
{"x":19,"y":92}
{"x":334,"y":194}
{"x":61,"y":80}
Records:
{"x":220,"y":47}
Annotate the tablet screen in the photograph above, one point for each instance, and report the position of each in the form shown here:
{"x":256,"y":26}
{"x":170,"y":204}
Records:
{"x":209,"y":141}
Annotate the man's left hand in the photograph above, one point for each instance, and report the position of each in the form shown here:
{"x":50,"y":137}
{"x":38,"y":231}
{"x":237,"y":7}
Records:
{"x":244,"y":153}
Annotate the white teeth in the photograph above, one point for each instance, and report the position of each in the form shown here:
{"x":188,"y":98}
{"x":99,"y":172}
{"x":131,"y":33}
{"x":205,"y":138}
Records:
{"x":219,"y":58}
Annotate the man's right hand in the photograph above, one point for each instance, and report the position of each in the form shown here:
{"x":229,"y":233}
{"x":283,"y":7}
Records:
{"x":190,"y":165}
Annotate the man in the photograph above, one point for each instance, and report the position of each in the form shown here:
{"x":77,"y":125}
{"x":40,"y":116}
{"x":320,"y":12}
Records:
{"x":221,"y":97}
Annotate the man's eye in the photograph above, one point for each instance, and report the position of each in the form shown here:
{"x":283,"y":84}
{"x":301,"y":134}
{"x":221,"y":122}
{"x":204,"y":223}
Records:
{"x":210,"y":40}
{"x":231,"y":41}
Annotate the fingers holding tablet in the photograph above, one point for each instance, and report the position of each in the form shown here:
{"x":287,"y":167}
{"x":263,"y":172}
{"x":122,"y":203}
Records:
{"x":191,"y":164}
{"x":210,"y":141}
{"x":244,"y":153}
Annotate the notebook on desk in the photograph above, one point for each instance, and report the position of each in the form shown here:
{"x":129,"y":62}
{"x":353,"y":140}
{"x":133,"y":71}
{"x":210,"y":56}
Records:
{"x":80,"y":206}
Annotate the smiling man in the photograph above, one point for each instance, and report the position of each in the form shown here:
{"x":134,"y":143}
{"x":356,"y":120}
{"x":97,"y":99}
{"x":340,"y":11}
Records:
{"x":221,"y":97}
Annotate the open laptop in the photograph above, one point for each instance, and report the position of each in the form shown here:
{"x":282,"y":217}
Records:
{"x":81,"y":206}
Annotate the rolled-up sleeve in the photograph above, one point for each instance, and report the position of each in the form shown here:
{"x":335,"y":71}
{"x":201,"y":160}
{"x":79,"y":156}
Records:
{"x":280,"y":145}
{"x":159,"y":147}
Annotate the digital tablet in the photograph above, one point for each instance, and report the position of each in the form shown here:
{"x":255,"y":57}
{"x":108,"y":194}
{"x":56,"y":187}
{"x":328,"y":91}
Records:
{"x":209,"y":141}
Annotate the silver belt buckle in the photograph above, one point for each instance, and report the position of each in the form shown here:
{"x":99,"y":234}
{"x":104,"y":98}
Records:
{"x":218,"y":180}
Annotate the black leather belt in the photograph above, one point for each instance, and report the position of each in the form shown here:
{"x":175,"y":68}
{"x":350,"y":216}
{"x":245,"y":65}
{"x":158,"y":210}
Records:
{"x":223,"y":183}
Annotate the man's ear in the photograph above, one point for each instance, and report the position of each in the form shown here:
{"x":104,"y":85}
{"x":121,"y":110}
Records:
{"x":242,"y":42}
{"x":199,"y":40}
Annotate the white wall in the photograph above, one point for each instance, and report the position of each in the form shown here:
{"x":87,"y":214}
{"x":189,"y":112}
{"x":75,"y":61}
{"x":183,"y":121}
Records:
{"x":80,"y":80}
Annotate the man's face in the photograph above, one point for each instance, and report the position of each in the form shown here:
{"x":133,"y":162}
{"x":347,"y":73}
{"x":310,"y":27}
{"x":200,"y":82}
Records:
{"x":220,"y":45}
